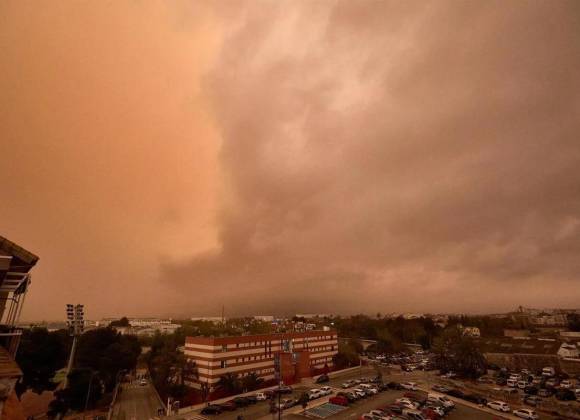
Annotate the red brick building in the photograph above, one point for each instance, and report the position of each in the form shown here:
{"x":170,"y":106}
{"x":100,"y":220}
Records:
{"x":299,"y":354}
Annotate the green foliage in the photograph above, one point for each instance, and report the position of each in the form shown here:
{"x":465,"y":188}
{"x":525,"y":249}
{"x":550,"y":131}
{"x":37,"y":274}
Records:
{"x":230,"y":383}
{"x":40,"y":355}
{"x":460,"y":354}
{"x":390,"y":333}
{"x":84,"y":389}
{"x":574,"y":322}
{"x":123,"y":322}
{"x":169,"y":368}
{"x":106,"y":351}
{"x":251,"y":382}
{"x":348,"y":354}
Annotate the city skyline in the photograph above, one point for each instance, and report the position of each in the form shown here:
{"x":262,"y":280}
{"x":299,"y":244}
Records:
{"x":331,"y":157}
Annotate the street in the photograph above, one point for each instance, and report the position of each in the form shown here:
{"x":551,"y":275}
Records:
{"x":136,"y":403}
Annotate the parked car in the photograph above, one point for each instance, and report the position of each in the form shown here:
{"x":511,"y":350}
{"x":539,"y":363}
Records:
{"x":438,"y":409}
{"x":394,"y":385}
{"x":545,"y":392}
{"x":348,"y":395}
{"x":501,"y":381}
{"x":531,"y":390}
{"x":322,"y":379}
{"x":407,"y":403}
{"x":526,"y":413}
{"x":566,"y":383}
{"x":532,"y":400}
{"x":211,"y":410}
{"x":284,"y":389}
{"x":241,"y":401}
{"x":314,"y":393}
{"x":394,"y":408}
{"x":251,"y":399}
{"x":551,"y":383}
{"x":565,"y":395}
{"x":287,"y":403}
{"x":261,"y":396}
{"x":441,"y":399}
{"x":456,"y":393}
{"x":412,"y":386}
{"x":359,"y":393}
{"x":228,"y":406}
{"x":522,"y":384}
{"x":499,"y":406}
{"x":339,"y":400}
{"x":440,"y":388}
{"x":414,"y":414}
{"x":326,"y":390}
{"x":476,"y":399}
{"x":143,"y":382}
{"x":548,"y":371}
{"x":347,"y":384}
{"x":512,"y":382}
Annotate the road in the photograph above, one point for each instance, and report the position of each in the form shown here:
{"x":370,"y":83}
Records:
{"x":136,"y":403}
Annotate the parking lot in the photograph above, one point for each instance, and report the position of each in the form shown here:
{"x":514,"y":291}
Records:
{"x":261,"y":410}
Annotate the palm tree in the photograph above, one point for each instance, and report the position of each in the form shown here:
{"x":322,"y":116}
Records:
{"x":251,"y":382}
{"x":229,"y":383}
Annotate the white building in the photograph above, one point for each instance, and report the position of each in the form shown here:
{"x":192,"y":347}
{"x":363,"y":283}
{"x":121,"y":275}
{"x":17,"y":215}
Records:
{"x":568,"y":351}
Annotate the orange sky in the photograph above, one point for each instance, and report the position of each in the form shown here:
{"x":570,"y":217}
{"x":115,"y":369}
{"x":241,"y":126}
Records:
{"x":165,"y":158}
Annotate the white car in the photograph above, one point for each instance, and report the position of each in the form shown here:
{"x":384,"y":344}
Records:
{"x":407,"y":403}
{"x":437,"y":409}
{"x":143,"y":382}
{"x":441,"y":399}
{"x":522,"y":384}
{"x":526,"y":413}
{"x":260,"y":396}
{"x":314,"y":393}
{"x":410,"y":386}
{"x":499,"y":406}
{"x":326,"y":390}
{"x":359,"y":393}
{"x":566,"y":384}
{"x":347,"y":384}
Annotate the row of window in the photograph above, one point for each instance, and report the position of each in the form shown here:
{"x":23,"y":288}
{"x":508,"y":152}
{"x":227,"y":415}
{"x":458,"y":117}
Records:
{"x":269,"y":342}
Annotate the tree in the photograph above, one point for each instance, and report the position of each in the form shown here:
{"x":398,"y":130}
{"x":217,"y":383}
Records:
{"x":387,"y":343}
{"x":251,"y":382}
{"x":455,"y":352}
{"x":40,"y":355}
{"x":106,"y":351}
{"x":83,"y":391}
{"x":123,"y":322}
{"x":230,"y":383}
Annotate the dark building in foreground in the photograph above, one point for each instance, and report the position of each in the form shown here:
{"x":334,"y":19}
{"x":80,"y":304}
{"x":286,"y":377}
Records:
{"x":15,"y":266}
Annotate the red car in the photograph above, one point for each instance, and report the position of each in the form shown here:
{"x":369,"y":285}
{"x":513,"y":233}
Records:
{"x":338,"y":400}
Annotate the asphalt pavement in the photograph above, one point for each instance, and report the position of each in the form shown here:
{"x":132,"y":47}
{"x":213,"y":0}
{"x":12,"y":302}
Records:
{"x":136,"y":402}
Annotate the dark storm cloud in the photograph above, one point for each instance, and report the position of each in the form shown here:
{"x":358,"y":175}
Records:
{"x":394,"y":155}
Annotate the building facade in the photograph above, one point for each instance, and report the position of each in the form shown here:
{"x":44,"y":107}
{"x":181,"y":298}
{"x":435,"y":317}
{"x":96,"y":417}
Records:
{"x":295,"y":355}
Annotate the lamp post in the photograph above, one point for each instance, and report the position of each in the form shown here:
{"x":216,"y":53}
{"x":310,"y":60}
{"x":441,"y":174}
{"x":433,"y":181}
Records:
{"x":75,"y":320}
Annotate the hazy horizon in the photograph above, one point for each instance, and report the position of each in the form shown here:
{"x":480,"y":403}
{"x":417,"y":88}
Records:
{"x":293,"y":156}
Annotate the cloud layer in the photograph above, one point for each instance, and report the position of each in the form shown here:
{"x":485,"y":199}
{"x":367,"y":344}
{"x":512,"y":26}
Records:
{"x":395,"y":156}
{"x":292,"y":156}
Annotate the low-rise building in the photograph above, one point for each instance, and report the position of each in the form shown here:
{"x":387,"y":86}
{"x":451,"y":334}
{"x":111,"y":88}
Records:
{"x":294,"y":355}
{"x":471,"y":332}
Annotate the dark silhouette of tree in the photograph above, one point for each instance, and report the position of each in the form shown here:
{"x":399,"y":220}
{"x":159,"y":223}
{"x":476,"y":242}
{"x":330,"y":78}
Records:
{"x":251,"y":382}
{"x":123,"y":322}
{"x":230,"y":383}
{"x":460,"y":354}
{"x":40,"y":355}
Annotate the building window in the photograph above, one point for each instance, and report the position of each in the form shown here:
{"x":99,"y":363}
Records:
{"x":223,"y":364}
{"x":224,"y":347}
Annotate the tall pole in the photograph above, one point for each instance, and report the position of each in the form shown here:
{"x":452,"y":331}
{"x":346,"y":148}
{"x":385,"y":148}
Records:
{"x":70,"y":361}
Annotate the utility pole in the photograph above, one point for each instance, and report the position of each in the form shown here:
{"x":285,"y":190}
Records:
{"x":75,"y":320}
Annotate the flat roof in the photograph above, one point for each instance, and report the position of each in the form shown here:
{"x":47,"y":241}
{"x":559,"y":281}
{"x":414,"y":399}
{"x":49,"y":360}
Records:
{"x":260,"y":337}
